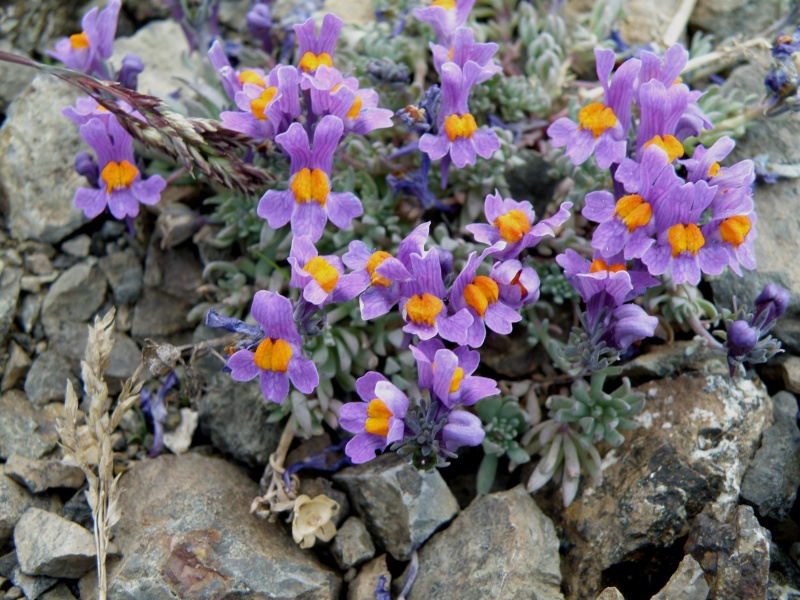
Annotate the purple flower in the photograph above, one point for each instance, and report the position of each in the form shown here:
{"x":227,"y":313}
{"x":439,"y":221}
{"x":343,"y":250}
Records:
{"x":86,"y":51}
{"x":445,"y":16}
{"x":322,"y":278}
{"x":422,"y":304}
{"x":480,"y":296}
{"x":309,"y":203}
{"x":157,"y":411}
{"x":122,"y":187}
{"x":259,"y":24}
{"x":385,"y":272}
{"x":772,"y":302}
{"x":266,"y":106}
{"x":628,"y":224}
{"x":86,"y":166}
{"x":377,"y":421}
{"x":461,"y":429}
{"x":449,"y":374}
{"x":415,"y":183}
{"x":680,"y":246}
{"x":511,"y":229}
{"x":662,"y":107}
{"x":278,"y":358}
{"x":315,"y":51}
{"x":574,"y":264}
{"x":128,"y":75}
{"x":332,"y":94}
{"x":458,"y":133}
{"x":519,"y":285}
{"x":464,"y":49}
{"x":601,"y":128}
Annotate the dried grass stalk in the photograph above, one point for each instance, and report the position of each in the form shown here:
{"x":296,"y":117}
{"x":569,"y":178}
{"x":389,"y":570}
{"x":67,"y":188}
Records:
{"x":86,"y":439}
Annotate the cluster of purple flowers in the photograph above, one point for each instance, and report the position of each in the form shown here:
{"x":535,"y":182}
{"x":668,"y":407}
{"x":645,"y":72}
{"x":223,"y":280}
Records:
{"x":682,"y":225}
{"x":115,"y":177}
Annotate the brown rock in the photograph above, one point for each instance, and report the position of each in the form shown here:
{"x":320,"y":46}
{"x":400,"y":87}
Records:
{"x":368,"y":578}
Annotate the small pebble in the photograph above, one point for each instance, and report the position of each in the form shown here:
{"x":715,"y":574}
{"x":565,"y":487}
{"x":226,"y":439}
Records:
{"x":77,"y":246}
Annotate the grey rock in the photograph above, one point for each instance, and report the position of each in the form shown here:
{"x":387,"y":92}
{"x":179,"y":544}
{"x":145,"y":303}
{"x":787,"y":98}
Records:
{"x":32,"y":586}
{"x":352,"y":544}
{"x":9,"y":296}
{"x":610,"y":593}
{"x":160,"y":45}
{"x":76,"y":294}
{"x":16,"y":367}
{"x":687,"y":583}
{"x":186,"y":532}
{"x":174,"y":271}
{"x":668,"y":360}
{"x":13,"y":593}
{"x":726,"y":18}
{"x":233,"y":415}
{"x":781,"y":201}
{"x":124,"y":272}
{"x":37,"y":177}
{"x":47,"y":378}
{"x":734,"y":554}
{"x":696,"y":436}
{"x":401,"y":506}
{"x":13,"y":78}
{"x":368,"y":578}
{"x":773,"y":477}
{"x":14,"y":501}
{"x":523,"y":561}
{"x":29,"y":310}
{"x":24,"y":429}
{"x":791,"y":373}
{"x":60,"y":592}
{"x":33,"y":24}
{"x":41,"y":475}
{"x":48,"y":544}
{"x":159,"y":315}
{"x":78,"y":246}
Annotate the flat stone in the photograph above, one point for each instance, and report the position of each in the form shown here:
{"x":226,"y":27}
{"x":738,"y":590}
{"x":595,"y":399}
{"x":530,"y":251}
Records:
{"x":47,"y":378}
{"x":697,"y":434}
{"x":174,"y":271}
{"x":160,"y":45}
{"x":48,"y":544}
{"x":159,"y":315}
{"x":60,"y":592}
{"x":32,"y":586}
{"x":186,"y":532}
{"x":369,"y":578}
{"x":76,"y":295}
{"x":610,"y":593}
{"x":668,"y":360}
{"x":771,"y":481}
{"x":233,"y":415}
{"x":501,"y":546}
{"x":9,"y":297}
{"x":734,"y":554}
{"x":16,"y":367}
{"x":41,"y":475}
{"x":24,"y":429}
{"x":791,"y":373}
{"x":37,"y":177}
{"x":352,"y":544}
{"x":687,"y":583}
{"x":124,"y":272}
{"x":78,"y":246}
{"x":402,"y":507}
{"x":14,"y":501}
{"x":726,"y":18}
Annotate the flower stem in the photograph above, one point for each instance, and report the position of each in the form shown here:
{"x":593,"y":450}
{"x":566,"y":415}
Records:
{"x":699,"y":329}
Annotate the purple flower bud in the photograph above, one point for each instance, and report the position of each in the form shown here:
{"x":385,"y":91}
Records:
{"x":259,"y":23}
{"x":773,"y":299}
{"x":128,"y":74}
{"x":742,"y":338}
{"x":86,"y":166}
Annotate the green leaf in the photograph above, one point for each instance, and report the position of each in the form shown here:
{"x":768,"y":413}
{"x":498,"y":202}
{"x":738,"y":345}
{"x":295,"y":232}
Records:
{"x":486,"y":473}
{"x":517,"y":454}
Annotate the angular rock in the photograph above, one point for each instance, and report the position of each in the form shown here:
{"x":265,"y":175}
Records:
{"x":698,"y":434}
{"x":610,"y":593}
{"x":368,"y":579}
{"x":725,"y":18}
{"x":522,"y":560}
{"x":233,"y":415}
{"x":186,"y":532}
{"x":37,"y":177}
{"x":76,"y":295}
{"x":734,"y":554}
{"x":14,"y":501}
{"x":781,"y":201}
{"x":48,"y":544}
{"x":791,"y":373}
{"x":9,"y":296}
{"x":771,"y":481}
{"x":24,"y":429}
{"x":175,"y":271}
{"x":687,"y":583}
{"x":47,"y":378}
{"x":13,"y":78}
{"x":32,"y":586}
{"x":60,"y":592}
{"x":668,"y":360}
{"x":78,"y":246}
{"x":401,"y":506}
{"x":352,"y":544}
{"x":41,"y":475}
{"x":159,"y":315}
{"x":16,"y":367}
{"x":124,"y":272}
